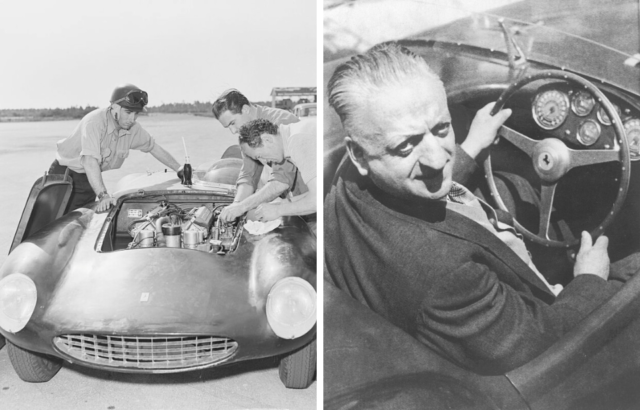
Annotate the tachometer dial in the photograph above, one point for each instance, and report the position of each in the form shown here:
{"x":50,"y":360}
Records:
{"x":632,"y":129}
{"x":582,"y":103}
{"x":604,"y":118}
{"x":550,"y":109}
{"x":588,"y":132}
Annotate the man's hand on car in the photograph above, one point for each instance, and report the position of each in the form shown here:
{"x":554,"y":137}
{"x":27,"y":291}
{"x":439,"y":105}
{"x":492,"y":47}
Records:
{"x":105,"y":203}
{"x":230,"y":213}
{"x":267,"y":212}
{"x":592,"y":258}
{"x":483,"y":130}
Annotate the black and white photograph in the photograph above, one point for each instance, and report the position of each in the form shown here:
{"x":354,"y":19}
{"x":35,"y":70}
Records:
{"x":481,"y":204}
{"x":158,"y":241}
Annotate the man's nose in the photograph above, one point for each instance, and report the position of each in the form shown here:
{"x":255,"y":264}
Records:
{"x":432,"y":154}
{"x":233,"y":129}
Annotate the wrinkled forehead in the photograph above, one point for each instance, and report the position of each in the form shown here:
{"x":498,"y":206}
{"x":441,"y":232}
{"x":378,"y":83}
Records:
{"x":406,"y":106}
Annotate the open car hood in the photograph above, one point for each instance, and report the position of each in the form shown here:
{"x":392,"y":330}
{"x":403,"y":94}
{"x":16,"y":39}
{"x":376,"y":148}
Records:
{"x":597,"y":41}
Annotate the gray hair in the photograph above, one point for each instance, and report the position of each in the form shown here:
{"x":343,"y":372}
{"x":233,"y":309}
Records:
{"x":354,"y":81}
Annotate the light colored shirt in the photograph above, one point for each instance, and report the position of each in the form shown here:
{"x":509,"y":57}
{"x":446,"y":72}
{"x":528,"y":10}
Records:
{"x":472,"y":209}
{"x":299,"y":141}
{"x":97,"y":136}
{"x":275,"y":115}
{"x":252,"y":170}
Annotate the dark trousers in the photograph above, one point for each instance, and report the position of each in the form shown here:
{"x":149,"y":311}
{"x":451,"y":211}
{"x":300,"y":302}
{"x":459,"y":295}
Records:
{"x":82,"y":194}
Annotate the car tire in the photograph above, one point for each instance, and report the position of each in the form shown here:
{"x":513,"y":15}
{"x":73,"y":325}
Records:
{"x":298,"y":368}
{"x":33,"y":367}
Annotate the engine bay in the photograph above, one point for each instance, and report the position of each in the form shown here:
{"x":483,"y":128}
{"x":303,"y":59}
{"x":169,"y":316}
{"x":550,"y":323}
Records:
{"x":172,"y":223}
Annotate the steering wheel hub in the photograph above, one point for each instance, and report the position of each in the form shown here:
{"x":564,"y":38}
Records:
{"x":551,"y":159}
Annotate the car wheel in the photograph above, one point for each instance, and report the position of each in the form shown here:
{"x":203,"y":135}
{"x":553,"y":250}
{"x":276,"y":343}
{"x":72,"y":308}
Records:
{"x":33,"y":367}
{"x":297,"y":369}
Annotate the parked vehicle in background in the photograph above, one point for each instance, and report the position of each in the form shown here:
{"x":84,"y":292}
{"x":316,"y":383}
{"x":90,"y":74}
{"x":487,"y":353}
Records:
{"x":305,"y":110}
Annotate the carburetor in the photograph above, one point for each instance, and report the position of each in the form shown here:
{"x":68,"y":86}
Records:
{"x":168,"y":225}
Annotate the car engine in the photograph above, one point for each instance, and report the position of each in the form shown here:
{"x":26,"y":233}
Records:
{"x":198,"y":227}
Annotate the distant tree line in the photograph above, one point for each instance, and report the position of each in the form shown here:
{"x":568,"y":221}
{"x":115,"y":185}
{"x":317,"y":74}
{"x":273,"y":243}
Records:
{"x":197,"y":107}
{"x":43,"y":114}
{"x":47,"y":114}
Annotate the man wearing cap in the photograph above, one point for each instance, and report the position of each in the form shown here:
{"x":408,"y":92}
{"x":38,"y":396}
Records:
{"x":101,"y":142}
{"x":234,"y":110}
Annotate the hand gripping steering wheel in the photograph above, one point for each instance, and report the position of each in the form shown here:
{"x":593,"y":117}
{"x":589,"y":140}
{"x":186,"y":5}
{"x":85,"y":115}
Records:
{"x":552,"y":159}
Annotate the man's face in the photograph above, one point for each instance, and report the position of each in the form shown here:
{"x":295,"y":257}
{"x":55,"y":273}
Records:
{"x":234,"y":121}
{"x":125,"y":117}
{"x":407,"y":140}
{"x":269,"y":152}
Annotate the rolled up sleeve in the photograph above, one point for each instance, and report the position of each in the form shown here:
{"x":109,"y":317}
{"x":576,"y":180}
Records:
{"x":285,"y":173}
{"x":90,"y":140}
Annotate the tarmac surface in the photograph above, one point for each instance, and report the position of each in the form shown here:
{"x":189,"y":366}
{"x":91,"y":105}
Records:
{"x":26,"y":151}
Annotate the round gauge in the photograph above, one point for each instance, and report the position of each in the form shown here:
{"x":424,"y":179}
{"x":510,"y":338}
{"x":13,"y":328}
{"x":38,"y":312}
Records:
{"x":604,"y":118}
{"x":588,"y":132}
{"x":582,"y":103}
{"x":550,"y":109}
{"x":632,"y":129}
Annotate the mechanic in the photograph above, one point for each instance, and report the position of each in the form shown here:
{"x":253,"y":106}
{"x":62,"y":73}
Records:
{"x":101,"y":142}
{"x":234,"y":110}
{"x":421,"y":250}
{"x":275,"y":146}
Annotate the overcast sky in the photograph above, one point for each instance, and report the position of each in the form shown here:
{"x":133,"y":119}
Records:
{"x":66,"y":53}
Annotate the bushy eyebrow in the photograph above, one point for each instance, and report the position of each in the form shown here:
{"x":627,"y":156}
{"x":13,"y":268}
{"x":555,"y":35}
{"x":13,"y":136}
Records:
{"x":413,"y":137}
{"x":439,"y":126}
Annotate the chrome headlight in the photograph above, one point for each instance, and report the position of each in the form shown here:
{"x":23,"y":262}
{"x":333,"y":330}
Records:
{"x":291,"y":307}
{"x":18,"y":296}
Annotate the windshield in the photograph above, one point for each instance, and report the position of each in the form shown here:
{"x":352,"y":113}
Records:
{"x":594,"y":39}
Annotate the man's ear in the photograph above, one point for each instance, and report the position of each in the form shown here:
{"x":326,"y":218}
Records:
{"x":115,"y":110}
{"x":356,"y":153}
{"x":245,"y":109}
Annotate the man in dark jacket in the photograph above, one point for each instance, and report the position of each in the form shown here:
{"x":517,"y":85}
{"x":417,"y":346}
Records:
{"x":419,"y":249}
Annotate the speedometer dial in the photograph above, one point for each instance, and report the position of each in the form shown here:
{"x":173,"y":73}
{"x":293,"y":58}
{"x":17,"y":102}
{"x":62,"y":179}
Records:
{"x":550,"y":109}
{"x":632,"y":129}
{"x":582,"y":103}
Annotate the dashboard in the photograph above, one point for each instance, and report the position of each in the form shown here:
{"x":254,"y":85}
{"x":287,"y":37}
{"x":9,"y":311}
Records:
{"x":575,"y":116}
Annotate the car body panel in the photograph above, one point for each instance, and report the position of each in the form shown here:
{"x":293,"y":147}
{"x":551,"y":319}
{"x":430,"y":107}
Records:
{"x":46,"y":202}
{"x":85,"y":287}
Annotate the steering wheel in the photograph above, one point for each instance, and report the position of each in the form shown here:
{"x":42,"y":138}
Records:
{"x":552,"y":159}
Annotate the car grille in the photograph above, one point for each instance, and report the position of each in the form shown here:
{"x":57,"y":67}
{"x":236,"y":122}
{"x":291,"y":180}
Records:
{"x":138,"y":352}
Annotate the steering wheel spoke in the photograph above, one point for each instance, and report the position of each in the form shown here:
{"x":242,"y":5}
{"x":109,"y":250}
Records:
{"x":552,"y":158}
{"x":518,"y":139}
{"x":591,"y":157}
{"x":547,"y":193}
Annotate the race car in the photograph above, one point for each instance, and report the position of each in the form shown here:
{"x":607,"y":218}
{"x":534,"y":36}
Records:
{"x":158,"y":284}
